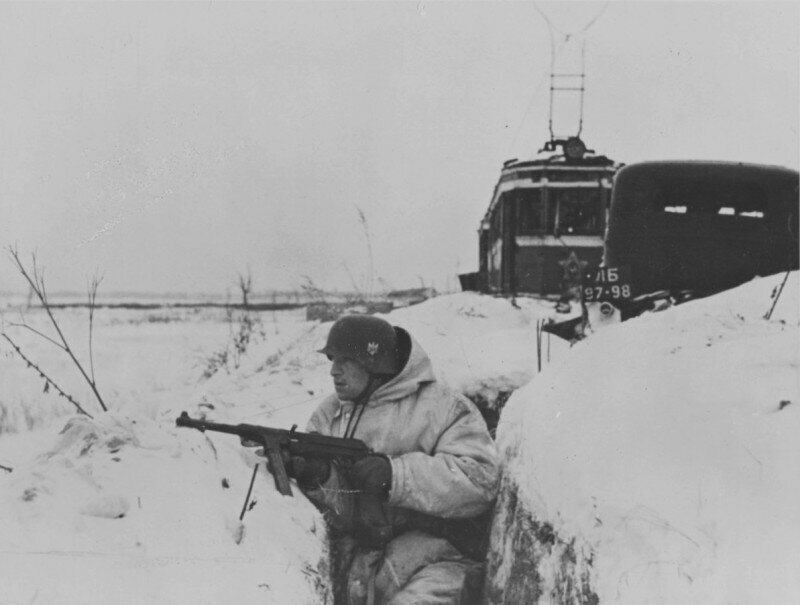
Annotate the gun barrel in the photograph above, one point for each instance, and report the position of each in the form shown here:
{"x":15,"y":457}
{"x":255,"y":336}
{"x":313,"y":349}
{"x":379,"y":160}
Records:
{"x":273,"y":440}
{"x":205,"y":425}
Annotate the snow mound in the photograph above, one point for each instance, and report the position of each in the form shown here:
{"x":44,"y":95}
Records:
{"x":141,"y":512}
{"x":480,"y":345}
{"x":663,"y":455}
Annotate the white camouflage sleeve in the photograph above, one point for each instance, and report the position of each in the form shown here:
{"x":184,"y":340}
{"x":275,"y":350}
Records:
{"x":459,"y":478}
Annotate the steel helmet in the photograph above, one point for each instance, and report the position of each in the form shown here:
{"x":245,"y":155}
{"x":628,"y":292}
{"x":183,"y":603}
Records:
{"x":369,"y":340}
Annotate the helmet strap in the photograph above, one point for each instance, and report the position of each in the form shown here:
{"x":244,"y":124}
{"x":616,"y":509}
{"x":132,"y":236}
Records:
{"x":360,"y":403}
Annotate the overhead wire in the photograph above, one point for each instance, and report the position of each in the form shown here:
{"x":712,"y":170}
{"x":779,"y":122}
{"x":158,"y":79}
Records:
{"x":532,"y":98}
{"x":547,"y":20}
{"x":582,"y":30}
{"x":555,"y":51}
{"x":596,"y":17}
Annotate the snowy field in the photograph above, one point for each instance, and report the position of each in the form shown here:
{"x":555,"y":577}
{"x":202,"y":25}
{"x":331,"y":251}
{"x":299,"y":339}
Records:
{"x":127,"y":508}
{"x":656,"y":461}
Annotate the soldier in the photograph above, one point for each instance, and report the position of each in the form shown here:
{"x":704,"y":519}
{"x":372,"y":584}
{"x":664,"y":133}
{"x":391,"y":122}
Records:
{"x":405,"y":520}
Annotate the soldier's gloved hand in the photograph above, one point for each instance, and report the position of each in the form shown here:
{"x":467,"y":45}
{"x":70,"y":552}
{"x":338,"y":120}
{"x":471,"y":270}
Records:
{"x":309,"y":471}
{"x":372,"y":475}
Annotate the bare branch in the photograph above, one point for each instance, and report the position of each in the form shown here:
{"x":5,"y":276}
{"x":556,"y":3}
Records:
{"x":363,"y":220}
{"x":37,"y":283}
{"x":14,"y":253}
{"x":45,"y":376}
{"x":35,"y":331}
{"x":92,"y":305}
{"x":245,"y":283}
{"x":776,"y":295}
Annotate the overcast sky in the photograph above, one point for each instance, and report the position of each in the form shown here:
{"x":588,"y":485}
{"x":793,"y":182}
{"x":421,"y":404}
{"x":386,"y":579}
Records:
{"x":171,"y":146}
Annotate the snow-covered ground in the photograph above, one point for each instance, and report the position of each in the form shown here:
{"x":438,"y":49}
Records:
{"x":655,"y":462}
{"x":659,"y":462}
{"x":127,"y":508}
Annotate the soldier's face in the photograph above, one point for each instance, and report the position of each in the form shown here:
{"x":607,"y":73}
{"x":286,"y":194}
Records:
{"x":350,"y":379}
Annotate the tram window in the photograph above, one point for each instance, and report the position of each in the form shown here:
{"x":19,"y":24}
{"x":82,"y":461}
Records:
{"x":496,"y":226}
{"x":579,"y":211}
{"x":530,"y":218}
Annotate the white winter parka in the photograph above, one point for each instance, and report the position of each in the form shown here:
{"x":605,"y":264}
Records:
{"x":444,"y":462}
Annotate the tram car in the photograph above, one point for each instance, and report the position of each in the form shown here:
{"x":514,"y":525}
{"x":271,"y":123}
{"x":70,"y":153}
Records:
{"x":679,"y":230}
{"x":545,"y":222}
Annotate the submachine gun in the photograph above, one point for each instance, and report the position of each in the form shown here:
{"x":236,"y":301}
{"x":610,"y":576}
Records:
{"x":276,"y":441}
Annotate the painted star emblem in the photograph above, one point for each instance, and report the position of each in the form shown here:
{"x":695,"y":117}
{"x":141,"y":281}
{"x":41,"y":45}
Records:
{"x":573,"y":266}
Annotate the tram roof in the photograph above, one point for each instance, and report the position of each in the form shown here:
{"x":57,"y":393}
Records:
{"x":545,"y":161}
{"x":559,"y":161}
